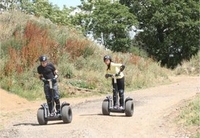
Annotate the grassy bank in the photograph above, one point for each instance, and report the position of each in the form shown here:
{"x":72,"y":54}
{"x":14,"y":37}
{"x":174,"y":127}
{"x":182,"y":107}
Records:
{"x":78,"y":60}
{"x":189,"y":116}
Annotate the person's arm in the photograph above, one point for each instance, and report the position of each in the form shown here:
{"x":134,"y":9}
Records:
{"x":121,"y":66}
{"x":54,"y":70}
{"x":56,"y":74}
{"x":40,"y":75}
{"x":116,"y":64}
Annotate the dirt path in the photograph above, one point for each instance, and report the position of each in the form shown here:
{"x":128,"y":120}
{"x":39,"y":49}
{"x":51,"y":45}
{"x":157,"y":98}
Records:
{"x":150,"y":120}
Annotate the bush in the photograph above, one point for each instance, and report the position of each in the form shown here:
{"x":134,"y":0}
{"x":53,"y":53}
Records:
{"x":78,"y":60}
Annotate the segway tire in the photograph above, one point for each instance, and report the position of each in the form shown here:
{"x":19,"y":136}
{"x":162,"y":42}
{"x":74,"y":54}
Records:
{"x":66,"y":114}
{"x":40,"y":117}
{"x":129,"y":108}
{"x":105,"y":107}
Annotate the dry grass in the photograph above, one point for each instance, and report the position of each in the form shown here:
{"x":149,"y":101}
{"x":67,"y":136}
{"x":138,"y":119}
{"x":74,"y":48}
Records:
{"x":191,"y":67}
{"x":79,"y":61}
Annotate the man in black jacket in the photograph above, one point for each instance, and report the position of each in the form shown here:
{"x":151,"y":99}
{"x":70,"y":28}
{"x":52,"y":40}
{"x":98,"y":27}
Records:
{"x":47,"y":71}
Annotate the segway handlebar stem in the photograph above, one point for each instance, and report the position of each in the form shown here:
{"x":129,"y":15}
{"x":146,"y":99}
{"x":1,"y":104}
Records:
{"x":50,"y":82}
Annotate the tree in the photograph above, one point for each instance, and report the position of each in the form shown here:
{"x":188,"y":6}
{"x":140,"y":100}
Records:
{"x":26,"y":6}
{"x":110,"y":21}
{"x":171,"y":28}
{"x":9,"y":4}
{"x":47,"y":10}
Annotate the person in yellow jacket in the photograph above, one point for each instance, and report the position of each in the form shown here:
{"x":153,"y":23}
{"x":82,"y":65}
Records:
{"x":116,"y":68}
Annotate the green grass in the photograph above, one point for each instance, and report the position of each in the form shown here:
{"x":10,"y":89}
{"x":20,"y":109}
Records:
{"x":197,"y":135}
{"x":81,"y":65}
{"x":190,"y":115}
{"x":191,"y":112}
{"x":190,"y":67}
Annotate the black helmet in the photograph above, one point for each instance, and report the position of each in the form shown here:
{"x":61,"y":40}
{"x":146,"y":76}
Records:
{"x":43,"y":58}
{"x":107,"y":57}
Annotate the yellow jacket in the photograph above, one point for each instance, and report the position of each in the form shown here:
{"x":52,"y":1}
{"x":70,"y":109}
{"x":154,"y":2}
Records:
{"x":114,"y":69}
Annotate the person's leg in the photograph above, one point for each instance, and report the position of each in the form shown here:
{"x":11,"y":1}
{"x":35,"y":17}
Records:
{"x":115,"y":96}
{"x":121,"y":99}
{"x":56,"y":97}
{"x":48,"y":97}
{"x":120,"y":84}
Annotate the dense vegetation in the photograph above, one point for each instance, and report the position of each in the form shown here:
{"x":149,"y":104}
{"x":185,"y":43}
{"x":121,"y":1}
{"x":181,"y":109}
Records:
{"x":170,"y":29}
{"x":78,"y":59}
{"x":189,"y":116}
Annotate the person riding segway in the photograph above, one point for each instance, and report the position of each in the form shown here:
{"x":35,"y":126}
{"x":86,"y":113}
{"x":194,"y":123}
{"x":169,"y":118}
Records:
{"x":49,"y":74}
{"x":116,"y":68}
{"x":48,"y":71}
{"x":115,"y":71}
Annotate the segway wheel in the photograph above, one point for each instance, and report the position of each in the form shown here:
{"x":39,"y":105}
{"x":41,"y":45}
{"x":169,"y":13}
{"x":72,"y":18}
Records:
{"x":105,"y":107}
{"x":40,"y":117}
{"x":129,"y":107}
{"x":66,"y":114}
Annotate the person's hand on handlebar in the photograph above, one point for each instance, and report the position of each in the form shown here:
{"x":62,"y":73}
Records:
{"x":54,"y":80}
{"x":43,"y":79}
{"x":112,"y":75}
{"x":108,"y":75}
{"x":118,"y":74}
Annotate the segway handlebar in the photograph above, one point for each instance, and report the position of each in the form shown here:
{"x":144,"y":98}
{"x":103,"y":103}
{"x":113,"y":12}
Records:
{"x":45,"y":80}
{"x":48,"y":80}
{"x":113,"y":75}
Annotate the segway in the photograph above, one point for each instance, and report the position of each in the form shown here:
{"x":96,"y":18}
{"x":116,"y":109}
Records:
{"x":107,"y":105}
{"x":43,"y":114}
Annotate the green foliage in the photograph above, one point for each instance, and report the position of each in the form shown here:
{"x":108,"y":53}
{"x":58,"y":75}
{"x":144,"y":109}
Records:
{"x":197,"y":135}
{"x":189,"y":115}
{"x":82,"y":84}
{"x":12,"y":43}
{"x":10,"y":22}
{"x":52,"y":12}
{"x":144,"y":75}
{"x":110,"y":21}
{"x":171,"y":28}
{"x":66,"y":69}
{"x":24,"y":85}
{"x":78,"y":60}
{"x":78,"y":48}
{"x":137,"y":51}
{"x":40,"y":8}
{"x":189,"y":67}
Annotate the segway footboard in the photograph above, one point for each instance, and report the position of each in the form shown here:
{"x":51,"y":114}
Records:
{"x":117,"y":110}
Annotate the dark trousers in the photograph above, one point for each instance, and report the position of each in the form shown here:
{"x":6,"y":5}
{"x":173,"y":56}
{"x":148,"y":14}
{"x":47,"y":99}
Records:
{"x":118,"y":88}
{"x":52,"y":96}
